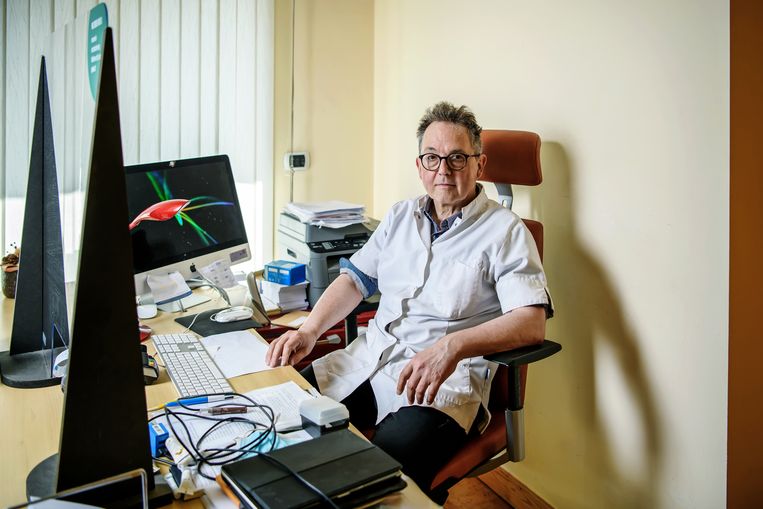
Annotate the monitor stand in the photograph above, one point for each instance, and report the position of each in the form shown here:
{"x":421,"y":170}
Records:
{"x":187,"y":302}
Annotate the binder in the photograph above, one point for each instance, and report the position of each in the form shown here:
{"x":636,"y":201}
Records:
{"x":345,"y":467}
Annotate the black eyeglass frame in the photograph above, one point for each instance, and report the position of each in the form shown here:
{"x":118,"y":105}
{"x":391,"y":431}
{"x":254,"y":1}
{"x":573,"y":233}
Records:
{"x":447,"y":160}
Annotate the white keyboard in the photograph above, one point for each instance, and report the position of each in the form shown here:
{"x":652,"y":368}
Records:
{"x":189,"y":365}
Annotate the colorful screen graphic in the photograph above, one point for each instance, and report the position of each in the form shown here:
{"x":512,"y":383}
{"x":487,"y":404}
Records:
{"x":181,"y":211}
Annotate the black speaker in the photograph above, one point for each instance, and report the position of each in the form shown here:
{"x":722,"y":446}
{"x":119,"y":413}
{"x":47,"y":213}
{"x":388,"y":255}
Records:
{"x":39,"y":316}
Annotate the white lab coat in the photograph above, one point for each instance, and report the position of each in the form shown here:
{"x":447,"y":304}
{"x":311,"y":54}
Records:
{"x":485,"y":265}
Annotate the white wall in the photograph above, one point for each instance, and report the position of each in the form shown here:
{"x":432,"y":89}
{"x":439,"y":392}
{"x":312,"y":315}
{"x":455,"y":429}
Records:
{"x":195,"y":78}
{"x":631,"y":101}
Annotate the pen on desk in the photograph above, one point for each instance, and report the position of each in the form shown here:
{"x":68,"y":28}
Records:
{"x":222,"y":410}
{"x":200,"y":400}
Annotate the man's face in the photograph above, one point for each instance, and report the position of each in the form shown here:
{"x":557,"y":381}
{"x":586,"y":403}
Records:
{"x":449,"y":189}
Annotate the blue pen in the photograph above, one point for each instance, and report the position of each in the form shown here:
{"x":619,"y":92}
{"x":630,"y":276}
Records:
{"x":200,"y":400}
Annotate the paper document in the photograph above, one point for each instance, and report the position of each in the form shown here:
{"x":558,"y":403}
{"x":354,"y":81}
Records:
{"x":293,"y":320}
{"x":271,"y":308}
{"x":220,"y":273}
{"x":333,"y":214}
{"x":167,"y":287}
{"x":237,"y":353}
{"x":284,"y":399}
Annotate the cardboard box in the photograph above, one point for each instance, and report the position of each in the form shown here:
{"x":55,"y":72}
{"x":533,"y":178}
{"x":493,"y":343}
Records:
{"x":285,"y":272}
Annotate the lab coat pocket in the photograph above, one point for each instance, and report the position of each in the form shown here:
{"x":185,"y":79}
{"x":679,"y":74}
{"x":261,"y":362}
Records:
{"x":457,"y":389}
{"x":458,"y":290}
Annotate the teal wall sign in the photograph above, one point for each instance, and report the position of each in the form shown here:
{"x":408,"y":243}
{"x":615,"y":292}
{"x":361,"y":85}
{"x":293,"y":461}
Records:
{"x":96,"y":28}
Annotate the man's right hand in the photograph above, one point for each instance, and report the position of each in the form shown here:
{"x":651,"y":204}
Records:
{"x":341,"y":297}
{"x":289,"y":348}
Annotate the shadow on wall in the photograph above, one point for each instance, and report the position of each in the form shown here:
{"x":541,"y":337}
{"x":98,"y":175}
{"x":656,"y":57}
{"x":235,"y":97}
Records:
{"x":588,"y":310}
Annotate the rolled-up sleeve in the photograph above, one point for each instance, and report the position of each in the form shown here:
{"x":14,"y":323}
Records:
{"x":366,"y":285}
{"x":520,"y":280}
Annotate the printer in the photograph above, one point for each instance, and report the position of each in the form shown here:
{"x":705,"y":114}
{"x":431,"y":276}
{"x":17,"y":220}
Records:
{"x":320,"y":248}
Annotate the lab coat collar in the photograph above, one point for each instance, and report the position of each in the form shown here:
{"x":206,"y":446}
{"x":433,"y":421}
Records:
{"x":474,"y":207}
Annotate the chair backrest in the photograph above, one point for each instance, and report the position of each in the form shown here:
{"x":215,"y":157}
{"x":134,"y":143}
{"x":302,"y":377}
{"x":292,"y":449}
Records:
{"x":513,"y":157}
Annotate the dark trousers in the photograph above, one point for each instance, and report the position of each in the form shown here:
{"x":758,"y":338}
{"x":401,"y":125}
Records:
{"x":421,"y":438}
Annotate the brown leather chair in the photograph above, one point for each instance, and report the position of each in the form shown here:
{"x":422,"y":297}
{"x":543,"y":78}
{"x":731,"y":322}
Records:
{"x":513,"y":158}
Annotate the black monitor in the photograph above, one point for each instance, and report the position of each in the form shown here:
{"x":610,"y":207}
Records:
{"x":183,"y":215}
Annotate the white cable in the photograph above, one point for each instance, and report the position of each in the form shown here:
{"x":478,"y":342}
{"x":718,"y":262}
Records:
{"x":291,"y":136}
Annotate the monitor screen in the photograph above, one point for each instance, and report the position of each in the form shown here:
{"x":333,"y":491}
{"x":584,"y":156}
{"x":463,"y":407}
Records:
{"x":183,"y":214}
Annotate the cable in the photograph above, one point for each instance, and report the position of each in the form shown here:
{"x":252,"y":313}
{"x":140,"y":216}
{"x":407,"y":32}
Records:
{"x":190,"y":324}
{"x":216,"y":456}
{"x":299,"y":477}
{"x":196,"y":449}
{"x":219,"y":289}
{"x":163,"y":461}
{"x":291,"y":136}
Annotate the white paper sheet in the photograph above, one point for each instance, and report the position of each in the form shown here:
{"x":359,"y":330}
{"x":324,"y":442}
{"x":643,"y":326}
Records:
{"x":284,"y":399}
{"x":237,"y":353}
{"x":220,"y":273}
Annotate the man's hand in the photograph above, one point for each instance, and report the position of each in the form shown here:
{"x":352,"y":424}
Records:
{"x":290,"y":348}
{"x":428,"y":369}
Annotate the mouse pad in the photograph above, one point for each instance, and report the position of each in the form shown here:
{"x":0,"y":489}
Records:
{"x":203,"y":326}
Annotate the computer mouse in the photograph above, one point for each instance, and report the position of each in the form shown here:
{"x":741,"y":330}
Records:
{"x":232,"y":314}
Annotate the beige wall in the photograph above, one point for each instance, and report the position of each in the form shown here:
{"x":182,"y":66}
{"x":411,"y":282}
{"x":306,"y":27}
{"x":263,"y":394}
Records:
{"x":333,"y":106}
{"x":631,"y":101}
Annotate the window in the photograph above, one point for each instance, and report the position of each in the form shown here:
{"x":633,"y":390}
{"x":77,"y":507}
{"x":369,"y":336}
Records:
{"x":195,"y":79}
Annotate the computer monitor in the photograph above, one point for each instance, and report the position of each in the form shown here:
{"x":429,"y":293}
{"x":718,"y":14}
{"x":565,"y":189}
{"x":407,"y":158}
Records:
{"x":183,"y":215}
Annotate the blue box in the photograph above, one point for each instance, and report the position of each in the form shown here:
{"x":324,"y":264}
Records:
{"x":157,"y":435}
{"x":284,"y":272}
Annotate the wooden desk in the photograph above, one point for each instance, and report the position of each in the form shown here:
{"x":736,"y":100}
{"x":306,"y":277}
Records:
{"x":31,"y":418}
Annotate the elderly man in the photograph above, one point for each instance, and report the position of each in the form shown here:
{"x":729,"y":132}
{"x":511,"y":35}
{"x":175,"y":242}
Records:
{"x":460,"y":277}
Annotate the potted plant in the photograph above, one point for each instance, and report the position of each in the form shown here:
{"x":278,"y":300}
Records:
{"x":10,"y":270}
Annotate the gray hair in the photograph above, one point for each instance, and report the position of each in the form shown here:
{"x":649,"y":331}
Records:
{"x":444,"y":111}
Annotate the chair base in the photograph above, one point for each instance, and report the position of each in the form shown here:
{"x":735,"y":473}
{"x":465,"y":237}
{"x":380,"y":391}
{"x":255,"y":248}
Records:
{"x":440,"y":493}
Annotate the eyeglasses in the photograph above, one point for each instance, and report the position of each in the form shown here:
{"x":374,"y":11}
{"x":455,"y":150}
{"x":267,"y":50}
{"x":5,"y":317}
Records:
{"x":455,"y":161}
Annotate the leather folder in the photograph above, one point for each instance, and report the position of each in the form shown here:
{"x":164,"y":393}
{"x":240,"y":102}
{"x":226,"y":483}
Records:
{"x":345,"y":467}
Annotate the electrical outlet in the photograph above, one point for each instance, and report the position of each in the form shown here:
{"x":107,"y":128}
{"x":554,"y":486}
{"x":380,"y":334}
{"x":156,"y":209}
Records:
{"x":298,"y":161}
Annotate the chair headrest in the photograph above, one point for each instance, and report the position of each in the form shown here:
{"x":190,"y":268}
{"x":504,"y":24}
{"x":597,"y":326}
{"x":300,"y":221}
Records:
{"x":513,"y":157}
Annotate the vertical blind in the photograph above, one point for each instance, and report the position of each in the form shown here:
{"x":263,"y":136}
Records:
{"x":195,"y":78}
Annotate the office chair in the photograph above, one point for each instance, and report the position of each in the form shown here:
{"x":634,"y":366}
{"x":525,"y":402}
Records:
{"x":513,"y":158}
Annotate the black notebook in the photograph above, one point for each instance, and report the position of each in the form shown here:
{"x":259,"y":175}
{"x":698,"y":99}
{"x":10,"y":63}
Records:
{"x":342,"y":465}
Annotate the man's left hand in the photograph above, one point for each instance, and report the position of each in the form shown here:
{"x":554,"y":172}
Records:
{"x":426,"y":371}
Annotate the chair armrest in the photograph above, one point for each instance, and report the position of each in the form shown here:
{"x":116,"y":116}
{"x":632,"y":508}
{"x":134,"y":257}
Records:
{"x":525,"y":354}
{"x":514,"y":359}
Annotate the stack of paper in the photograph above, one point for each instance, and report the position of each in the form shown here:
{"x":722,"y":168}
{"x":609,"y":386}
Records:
{"x":333,"y":214}
{"x":288,"y":298}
